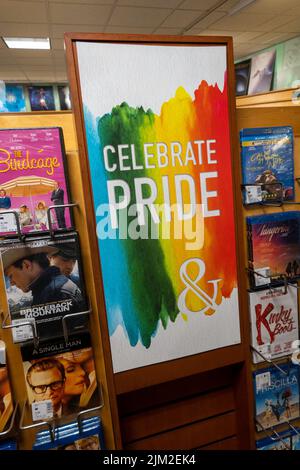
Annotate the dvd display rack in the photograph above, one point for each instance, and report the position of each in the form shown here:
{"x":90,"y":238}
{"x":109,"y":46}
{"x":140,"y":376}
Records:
{"x":21,"y":426}
{"x":276,"y":418}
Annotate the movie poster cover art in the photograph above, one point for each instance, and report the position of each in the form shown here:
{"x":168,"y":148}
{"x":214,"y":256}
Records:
{"x":274,"y":321}
{"x":12,"y":98}
{"x":268,"y":161}
{"x":262,"y":69}
{"x":69,"y":367}
{"x":33,"y":176}
{"x":288,"y":64}
{"x":6,"y":402}
{"x":64,"y":97}
{"x":276,"y":395}
{"x":242,"y":74}
{"x":41,"y":98}
{"x":44,"y":282}
{"x":274,"y":247}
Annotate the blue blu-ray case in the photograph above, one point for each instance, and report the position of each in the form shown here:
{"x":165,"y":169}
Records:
{"x":66,"y":429}
{"x":8,"y":445}
{"x":70,"y":437}
{"x":267,"y":155}
{"x":282,"y":443}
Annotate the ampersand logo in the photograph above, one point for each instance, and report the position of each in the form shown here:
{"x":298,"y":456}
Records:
{"x":192,"y":286}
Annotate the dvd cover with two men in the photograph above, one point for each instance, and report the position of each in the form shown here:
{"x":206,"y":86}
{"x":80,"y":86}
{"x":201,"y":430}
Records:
{"x":61,"y":375}
{"x":43,"y":284}
{"x":33,"y":176}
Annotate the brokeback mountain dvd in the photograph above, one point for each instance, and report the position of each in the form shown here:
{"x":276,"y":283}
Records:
{"x":44,"y":283}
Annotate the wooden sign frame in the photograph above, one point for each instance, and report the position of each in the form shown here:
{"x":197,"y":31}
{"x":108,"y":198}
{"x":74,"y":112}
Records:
{"x":234,"y":355}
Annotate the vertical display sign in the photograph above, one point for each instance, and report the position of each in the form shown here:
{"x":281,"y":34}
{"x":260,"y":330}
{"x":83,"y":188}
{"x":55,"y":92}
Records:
{"x":156,"y":120}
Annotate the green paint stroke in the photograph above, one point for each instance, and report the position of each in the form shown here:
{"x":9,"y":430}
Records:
{"x":152,"y":291}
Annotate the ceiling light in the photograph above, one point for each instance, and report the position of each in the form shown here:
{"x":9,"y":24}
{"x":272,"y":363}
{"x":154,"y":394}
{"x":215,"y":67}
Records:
{"x":240,"y":6}
{"x":27,"y":43}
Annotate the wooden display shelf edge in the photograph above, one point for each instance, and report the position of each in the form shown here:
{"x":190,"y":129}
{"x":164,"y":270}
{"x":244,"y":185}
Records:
{"x":189,"y":365}
{"x":38,"y":113}
{"x":273,"y":98}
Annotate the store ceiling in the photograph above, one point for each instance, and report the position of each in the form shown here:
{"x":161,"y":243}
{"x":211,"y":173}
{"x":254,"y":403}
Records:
{"x":259,"y":25}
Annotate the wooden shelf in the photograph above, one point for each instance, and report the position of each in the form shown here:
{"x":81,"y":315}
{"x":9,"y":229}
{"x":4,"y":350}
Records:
{"x":270,"y":109}
{"x":272,"y":99}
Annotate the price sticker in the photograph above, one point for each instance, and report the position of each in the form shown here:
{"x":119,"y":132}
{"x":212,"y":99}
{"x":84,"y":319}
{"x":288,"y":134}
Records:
{"x":42,"y":410}
{"x":262,"y":276}
{"x":22,"y":332}
{"x":263,"y":380}
{"x":265,"y":349}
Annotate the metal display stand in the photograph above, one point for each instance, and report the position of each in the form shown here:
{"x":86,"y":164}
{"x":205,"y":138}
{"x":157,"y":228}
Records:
{"x":253,"y":113}
{"x":26,"y":438}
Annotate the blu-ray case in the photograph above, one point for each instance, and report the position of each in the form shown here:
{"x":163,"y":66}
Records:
{"x":88,"y":437}
{"x":44,"y":283}
{"x":268,"y":160}
{"x":65,"y":429}
{"x":283,"y":442}
{"x":33,"y":176}
{"x":286,"y":440}
{"x":9,"y":444}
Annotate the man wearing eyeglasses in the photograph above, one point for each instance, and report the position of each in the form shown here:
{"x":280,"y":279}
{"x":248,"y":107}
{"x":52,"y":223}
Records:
{"x":46,"y":379}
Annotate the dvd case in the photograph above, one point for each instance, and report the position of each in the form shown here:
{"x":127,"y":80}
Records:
{"x":62,"y":375}
{"x":296,"y":439}
{"x":274,"y":322}
{"x":242,"y":75}
{"x":9,"y":444}
{"x":44,"y":283}
{"x":70,"y":437}
{"x":267,"y":160}
{"x":284,"y":442}
{"x":273,"y":247}
{"x":33,"y":176}
{"x":6,"y":401}
{"x":276,"y":395}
